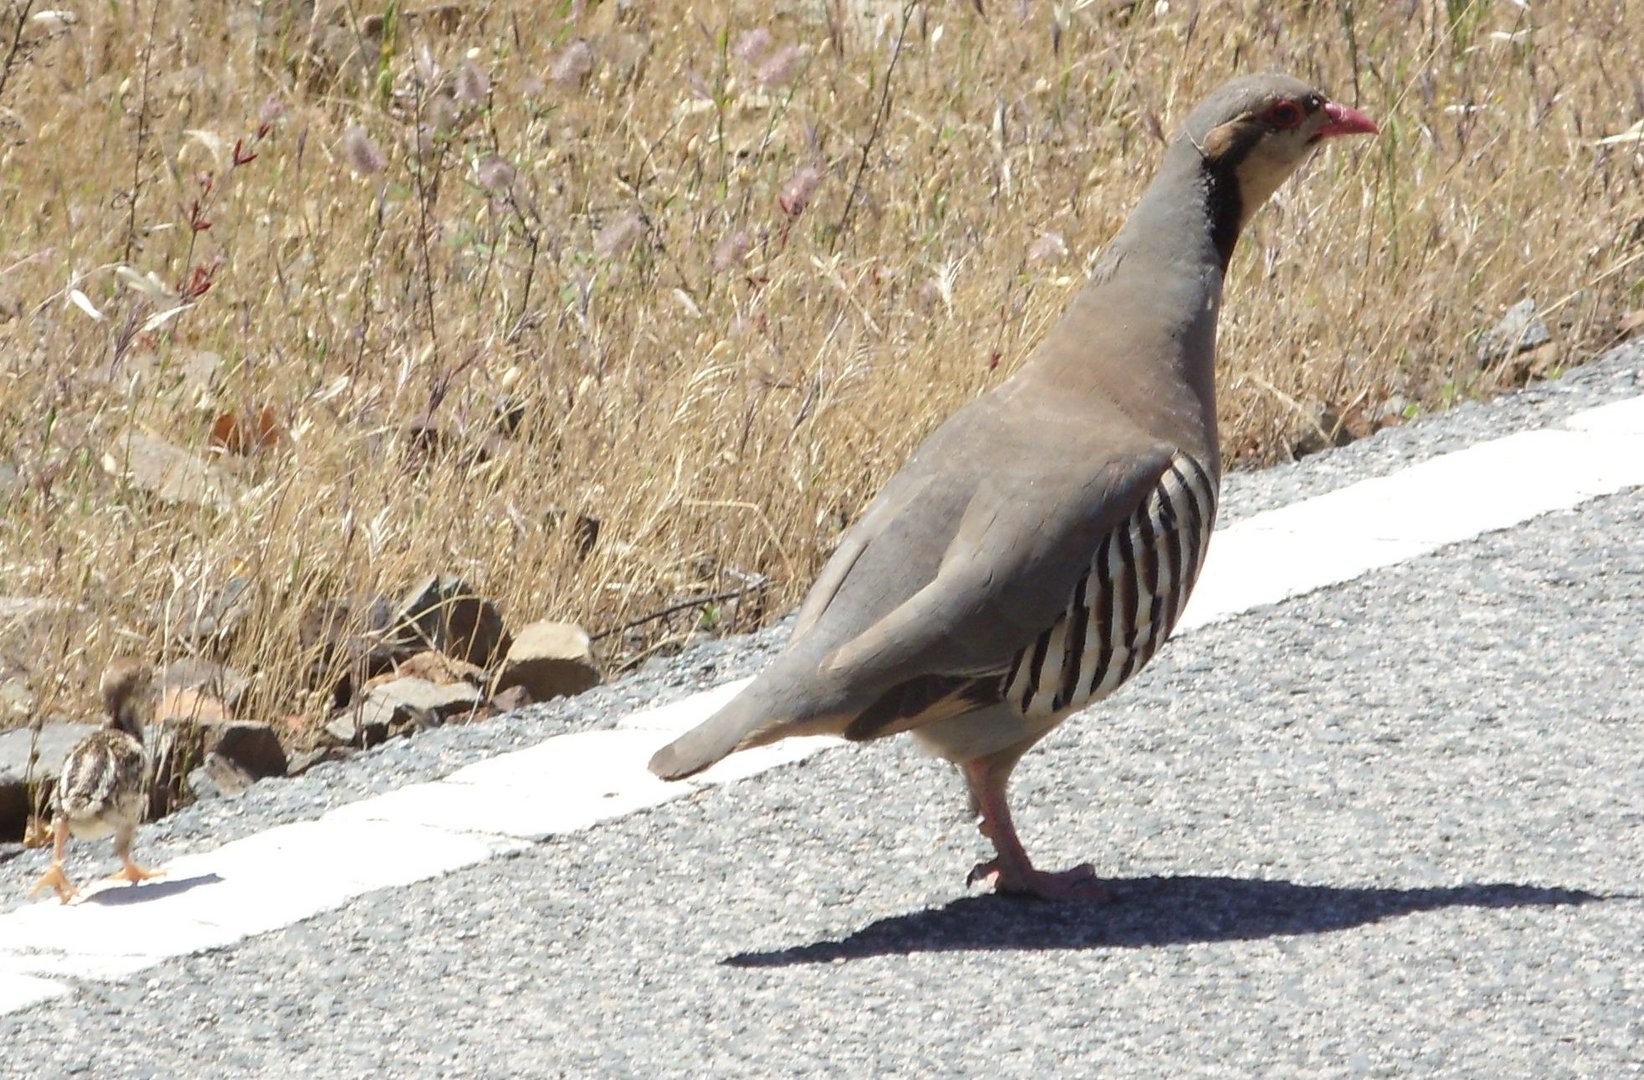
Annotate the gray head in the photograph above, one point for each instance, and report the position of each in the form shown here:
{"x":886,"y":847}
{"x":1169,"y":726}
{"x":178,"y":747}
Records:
{"x":1252,"y":132}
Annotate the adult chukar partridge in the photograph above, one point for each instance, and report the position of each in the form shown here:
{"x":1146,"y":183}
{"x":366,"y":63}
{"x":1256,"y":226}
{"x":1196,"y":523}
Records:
{"x":1040,"y":545}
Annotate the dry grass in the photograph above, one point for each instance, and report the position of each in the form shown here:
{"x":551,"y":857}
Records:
{"x":597,"y":226}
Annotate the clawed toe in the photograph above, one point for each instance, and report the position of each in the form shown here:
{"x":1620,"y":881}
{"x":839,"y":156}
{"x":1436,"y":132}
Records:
{"x":135,"y":874}
{"x":56,"y":880}
{"x":1077,"y":884}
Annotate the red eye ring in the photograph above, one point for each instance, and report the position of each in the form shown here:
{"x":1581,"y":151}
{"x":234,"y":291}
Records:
{"x":1286,"y":114}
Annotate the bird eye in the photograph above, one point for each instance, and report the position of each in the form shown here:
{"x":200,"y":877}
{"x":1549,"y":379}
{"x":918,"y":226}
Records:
{"x":1285,"y":114}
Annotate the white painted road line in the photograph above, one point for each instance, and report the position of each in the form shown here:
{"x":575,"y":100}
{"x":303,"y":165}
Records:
{"x":1376,"y":523}
{"x":278,"y":877}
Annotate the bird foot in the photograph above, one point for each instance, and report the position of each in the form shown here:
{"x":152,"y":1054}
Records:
{"x":133,"y":873}
{"x":1077,"y":884}
{"x":57,"y":881}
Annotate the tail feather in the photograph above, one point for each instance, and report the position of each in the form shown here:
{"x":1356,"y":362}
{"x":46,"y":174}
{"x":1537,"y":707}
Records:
{"x":780,"y":703}
{"x":713,"y":739}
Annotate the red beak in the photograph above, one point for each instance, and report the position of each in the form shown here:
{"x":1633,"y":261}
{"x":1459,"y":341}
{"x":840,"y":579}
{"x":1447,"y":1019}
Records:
{"x":1343,"y":120}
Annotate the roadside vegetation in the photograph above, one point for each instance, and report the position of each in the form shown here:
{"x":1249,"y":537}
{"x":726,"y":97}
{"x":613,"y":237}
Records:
{"x":616,"y":309}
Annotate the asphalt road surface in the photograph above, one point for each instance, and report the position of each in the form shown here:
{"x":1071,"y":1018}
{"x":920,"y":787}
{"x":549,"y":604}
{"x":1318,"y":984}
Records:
{"x":1391,"y":828}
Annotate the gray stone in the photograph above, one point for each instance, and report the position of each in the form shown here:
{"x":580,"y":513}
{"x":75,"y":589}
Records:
{"x":28,"y":768}
{"x":16,"y":699}
{"x":216,"y":617}
{"x":549,"y":659}
{"x":349,"y":643}
{"x":218,"y":778}
{"x":398,"y":705}
{"x":303,"y":760}
{"x":444,"y":613}
{"x":1519,"y":330}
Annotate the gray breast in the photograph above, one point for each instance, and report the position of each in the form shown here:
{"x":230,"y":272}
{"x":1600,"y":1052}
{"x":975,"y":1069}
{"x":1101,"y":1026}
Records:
{"x":1126,"y":603}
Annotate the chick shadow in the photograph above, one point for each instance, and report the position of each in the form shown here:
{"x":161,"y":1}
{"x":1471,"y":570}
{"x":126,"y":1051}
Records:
{"x":1151,"y":912}
{"x":147,"y":891}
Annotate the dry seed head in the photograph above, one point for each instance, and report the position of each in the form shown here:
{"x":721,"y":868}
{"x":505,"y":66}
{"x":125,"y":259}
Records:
{"x":781,"y":67}
{"x":732,"y":250}
{"x":473,"y":86}
{"x":797,"y":195}
{"x":494,"y":173}
{"x":574,"y":64}
{"x":752,"y":45}
{"x":617,"y":237}
{"x":362,"y":154}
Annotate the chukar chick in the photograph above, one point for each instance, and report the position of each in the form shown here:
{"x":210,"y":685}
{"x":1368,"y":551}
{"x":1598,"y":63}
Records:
{"x":100,"y":789}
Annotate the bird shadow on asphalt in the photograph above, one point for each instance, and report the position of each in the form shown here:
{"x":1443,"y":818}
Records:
{"x":1151,"y":912}
{"x":147,"y":891}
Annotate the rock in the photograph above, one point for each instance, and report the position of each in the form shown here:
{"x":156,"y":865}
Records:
{"x":349,"y":643}
{"x":515,"y":697}
{"x":436,"y":668}
{"x":179,"y":746}
{"x":218,"y":778}
{"x":16,"y":699}
{"x":444,"y":614}
{"x":197,"y":673}
{"x":304,"y":760}
{"x":29,"y":767}
{"x":403,"y":704}
{"x":583,"y":530}
{"x":1520,"y":329}
{"x":351,"y":727}
{"x":549,"y":659}
{"x":193,"y":727}
{"x":168,"y":472}
{"x":187,"y":705}
{"x":213,"y":620}
{"x":252,"y":746}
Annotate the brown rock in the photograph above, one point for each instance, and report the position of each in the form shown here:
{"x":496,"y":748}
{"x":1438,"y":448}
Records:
{"x":216,"y":680}
{"x":190,"y":706}
{"x":515,"y":697}
{"x":193,"y":727}
{"x":549,"y":659}
{"x":436,"y":668}
{"x":179,"y":747}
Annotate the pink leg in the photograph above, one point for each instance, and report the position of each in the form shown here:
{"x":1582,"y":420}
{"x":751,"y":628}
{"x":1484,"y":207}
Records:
{"x":1011,"y":871}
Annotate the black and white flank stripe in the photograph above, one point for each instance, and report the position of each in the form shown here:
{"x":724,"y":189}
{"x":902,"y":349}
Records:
{"x":1127,"y":602}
